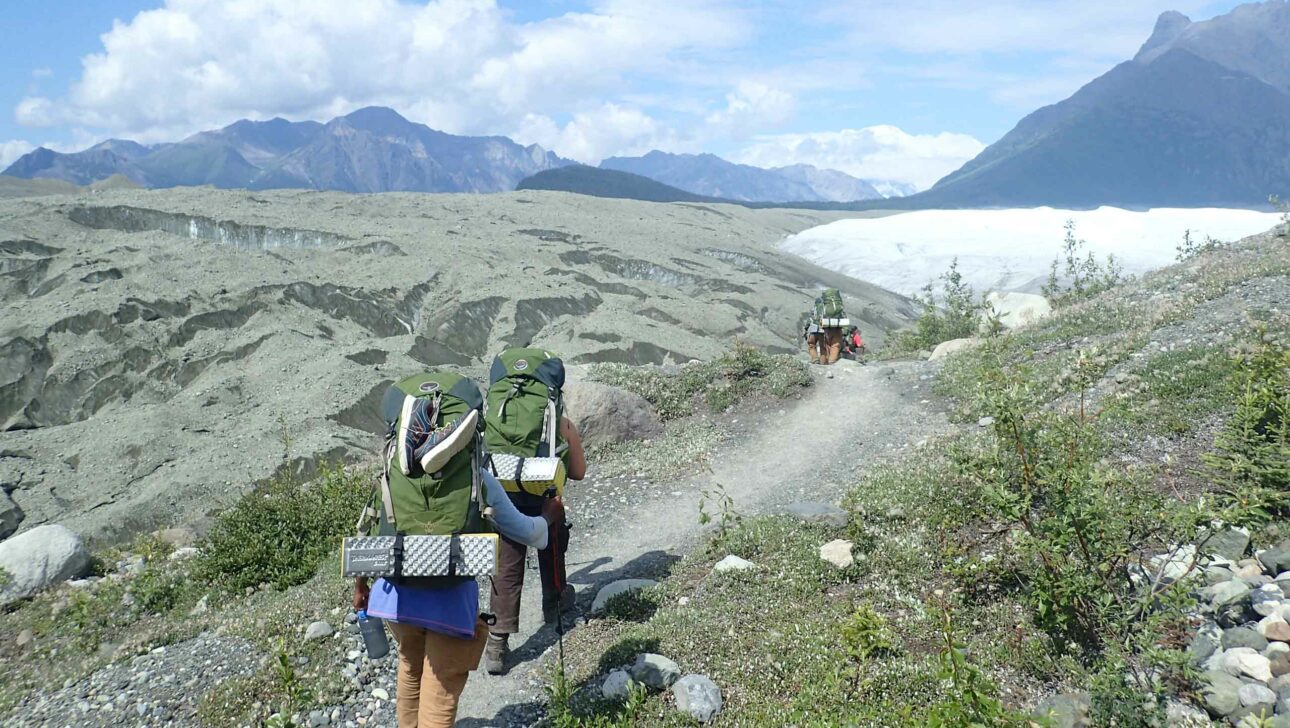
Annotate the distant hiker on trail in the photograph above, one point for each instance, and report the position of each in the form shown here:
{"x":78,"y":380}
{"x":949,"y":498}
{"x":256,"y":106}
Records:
{"x":433,"y":487}
{"x":525,"y":420}
{"x":814,"y":339}
{"x":853,"y":345}
{"x":831,"y":319}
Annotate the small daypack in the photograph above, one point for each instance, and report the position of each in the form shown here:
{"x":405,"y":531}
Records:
{"x":524,"y":405}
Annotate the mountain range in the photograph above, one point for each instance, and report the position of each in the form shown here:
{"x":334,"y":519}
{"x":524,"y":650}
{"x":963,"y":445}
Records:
{"x":1197,"y":118}
{"x":711,"y":176}
{"x":373,"y":149}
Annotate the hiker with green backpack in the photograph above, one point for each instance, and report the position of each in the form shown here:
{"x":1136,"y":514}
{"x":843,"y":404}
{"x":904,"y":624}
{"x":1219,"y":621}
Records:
{"x":434,"y":490}
{"x":831,"y":318}
{"x":524,"y":423}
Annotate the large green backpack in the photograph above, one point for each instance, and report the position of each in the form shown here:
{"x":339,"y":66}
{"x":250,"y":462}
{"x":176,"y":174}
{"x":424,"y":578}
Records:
{"x":829,"y":304}
{"x":524,"y":405}
{"x":450,"y":501}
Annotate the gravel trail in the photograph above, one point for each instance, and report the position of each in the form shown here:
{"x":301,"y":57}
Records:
{"x":810,"y":450}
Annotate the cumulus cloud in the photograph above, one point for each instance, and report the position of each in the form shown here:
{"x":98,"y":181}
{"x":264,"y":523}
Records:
{"x":459,"y":65}
{"x":875,"y":152}
{"x":12,"y":149}
{"x":752,"y":107}
{"x":591,"y":136}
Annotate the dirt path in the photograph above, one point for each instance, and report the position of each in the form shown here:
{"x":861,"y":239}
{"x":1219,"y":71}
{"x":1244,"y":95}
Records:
{"x":854,"y":418}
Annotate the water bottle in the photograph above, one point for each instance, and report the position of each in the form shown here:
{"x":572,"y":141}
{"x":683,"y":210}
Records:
{"x":373,"y":631}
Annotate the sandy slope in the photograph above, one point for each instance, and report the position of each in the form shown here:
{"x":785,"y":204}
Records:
{"x":763,"y":469}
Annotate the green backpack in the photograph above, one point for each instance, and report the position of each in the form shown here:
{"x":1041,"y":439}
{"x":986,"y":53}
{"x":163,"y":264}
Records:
{"x":524,"y":405}
{"x":450,"y":501}
{"x":829,"y":304}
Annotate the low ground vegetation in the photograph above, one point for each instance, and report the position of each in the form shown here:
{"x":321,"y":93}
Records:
{"x":739,"y":375}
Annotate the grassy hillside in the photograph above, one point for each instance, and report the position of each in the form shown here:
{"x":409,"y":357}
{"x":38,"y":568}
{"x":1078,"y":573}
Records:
{"x":991,"y":576}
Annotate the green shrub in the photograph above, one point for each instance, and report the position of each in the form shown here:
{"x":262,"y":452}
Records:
{"x":1253,"y":449}
{"x":1084,"y":277}
{"x":1190,"y":248}
{"x":279,"y":534}
{"x":955,"y":314}
{"x":971,"y":702}
{"x":720,"y":383}
{"x":866,"y":635}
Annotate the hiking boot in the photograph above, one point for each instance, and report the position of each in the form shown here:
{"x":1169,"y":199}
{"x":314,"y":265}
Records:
{"x":414,"y":425}
{"x":564,"y":601}
{"x":442,"y":444}
{"x":496,"y":652}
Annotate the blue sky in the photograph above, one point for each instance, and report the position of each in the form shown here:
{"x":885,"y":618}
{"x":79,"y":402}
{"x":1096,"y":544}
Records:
{"x":891,"y":89}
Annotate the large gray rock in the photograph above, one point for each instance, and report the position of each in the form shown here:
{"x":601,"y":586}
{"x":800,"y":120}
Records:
{"x":617,"y":685}
{"x":654,"y":670}
{"x":1231,"y":543}
{"x":1068,"y":710}
{"x":1277,"y":558}
{"x":838,"y":553}
{"x":1018,"y":309}
{"x":945,"y":348}
{"x":606,"y":415}
{"x":697,"y":697}
{"x":1221,"y":693}
{"x":39,"y":558}
{"x":10,"y":515}
{"x":1243,"y":637}
{"x":815,"y":512}
{"x":614,"y":588}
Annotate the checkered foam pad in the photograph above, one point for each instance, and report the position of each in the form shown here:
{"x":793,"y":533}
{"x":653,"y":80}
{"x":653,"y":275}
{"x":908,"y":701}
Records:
{"x":532,"y":475}
{"x":422,"y":555}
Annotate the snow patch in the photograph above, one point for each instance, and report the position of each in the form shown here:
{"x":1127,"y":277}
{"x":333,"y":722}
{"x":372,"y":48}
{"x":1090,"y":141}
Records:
{"x":1009,"y":250}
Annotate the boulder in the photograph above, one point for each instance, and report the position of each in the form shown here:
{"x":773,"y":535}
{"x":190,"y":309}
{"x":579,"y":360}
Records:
{"x":1276,"y":559}
{"x":606,"y":415}
{"x":1185,"y":715}
{"x":1252,"y":694}
{"x":317,"y":630}
{"x":815,"y":512}
{"x":1245,"y":661}
{"x":1221,"y":693}
{"x":1018,"y":309}
{"x":1066,"y":710}
{"x":697,"y":697}
{"x":1266,"y":600}
{"x":1206,"y":641}
{"x":1243,"y":637}
{"x":39,"y":558}
{"x":10,"y":515}
{"x":654,"y":670}
{"x":1226,"y":593}
{"x":614,"y":588}
{"x":617,"y":685}
{"x":1273,"y":627}
{"x":945,"y":348}
{"x":838,"y":553}
{"x":733,"y":563}
{"x":1231,"y":542}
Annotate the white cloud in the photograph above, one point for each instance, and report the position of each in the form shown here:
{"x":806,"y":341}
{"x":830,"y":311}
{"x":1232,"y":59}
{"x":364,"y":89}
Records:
{"x":593,"y":135}
{"x":875,"y":152}
{"x":12,"y":149}
{"x":459,"y":65}
{"x":752,"y":107}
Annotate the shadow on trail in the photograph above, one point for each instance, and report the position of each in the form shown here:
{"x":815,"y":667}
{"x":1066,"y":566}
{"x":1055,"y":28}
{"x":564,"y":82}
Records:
{"x":587,"y":578}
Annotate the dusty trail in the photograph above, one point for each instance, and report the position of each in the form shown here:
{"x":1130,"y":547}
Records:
{"x":812,"y":451}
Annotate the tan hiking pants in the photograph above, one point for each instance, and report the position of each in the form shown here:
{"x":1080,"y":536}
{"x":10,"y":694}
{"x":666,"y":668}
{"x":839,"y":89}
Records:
{"x":814,"y":347}
{"x":832,"y":346}
{"x":433,"y":669}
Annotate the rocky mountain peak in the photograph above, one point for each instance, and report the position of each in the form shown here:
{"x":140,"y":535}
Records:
{"x":1169,"y":26}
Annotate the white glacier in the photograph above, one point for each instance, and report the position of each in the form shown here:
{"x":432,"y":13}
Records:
{"x":1009,"y":250}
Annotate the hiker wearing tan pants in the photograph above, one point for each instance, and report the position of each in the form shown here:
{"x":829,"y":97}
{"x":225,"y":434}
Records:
{"x":831,"y":346}
{"x":433,"y":669}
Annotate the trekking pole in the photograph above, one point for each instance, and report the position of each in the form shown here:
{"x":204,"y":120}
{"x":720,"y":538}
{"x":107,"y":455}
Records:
{"x":558,"y":580}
